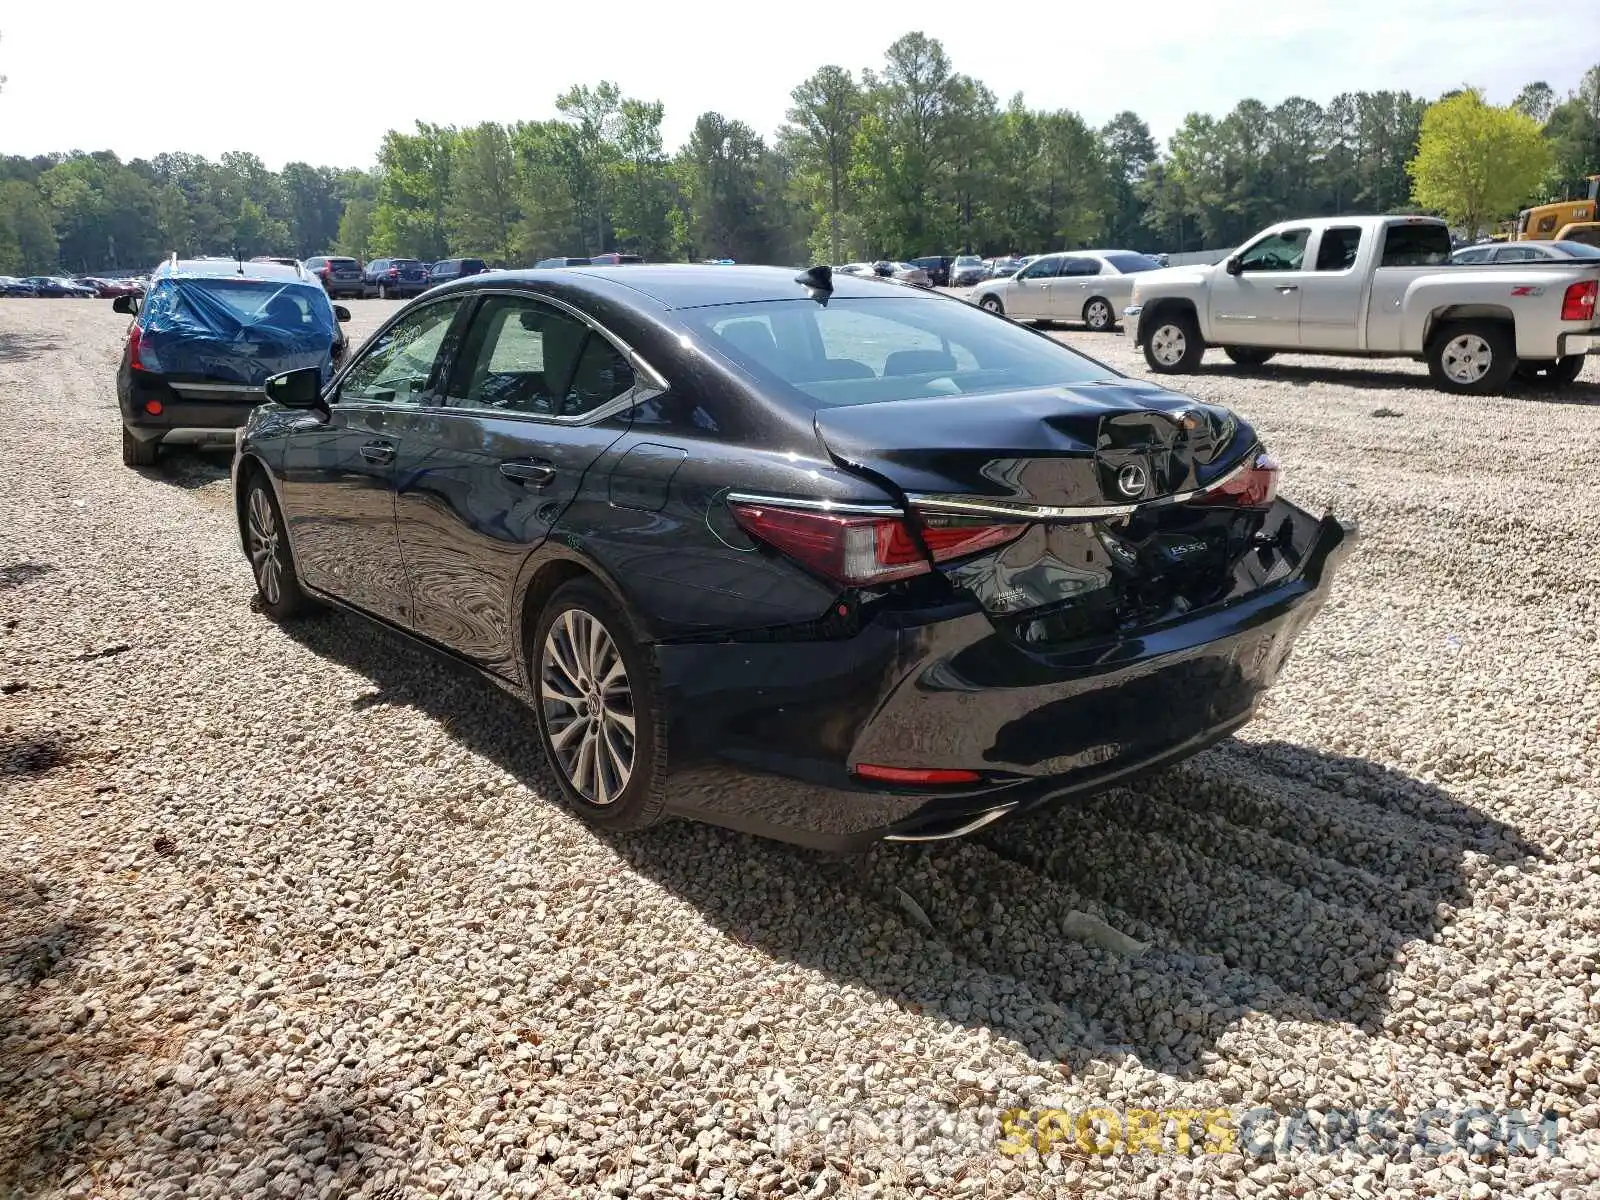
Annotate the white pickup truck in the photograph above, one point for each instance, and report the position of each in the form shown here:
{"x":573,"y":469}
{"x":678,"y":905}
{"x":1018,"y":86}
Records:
{"x":1378,"y":287}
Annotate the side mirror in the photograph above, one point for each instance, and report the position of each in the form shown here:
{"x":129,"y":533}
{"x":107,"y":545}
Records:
{"x":1234,"y":266}
{"x":341,"y":313}
{"x":296,"y":389}
{"x":128,"y":306}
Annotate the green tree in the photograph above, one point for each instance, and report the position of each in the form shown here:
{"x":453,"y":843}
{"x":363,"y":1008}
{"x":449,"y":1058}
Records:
{"x":355,"y":230}
{"x":411,"y":217}
{"x":820,"y":138}
{"x":1477,"y":162}
{"x":27,"y":238}
{"x":482,"y":208}
{"x":1536,"y":99}
{"x":720,"y":172}
{"x":1130,"y":152}
{"x":590,"y":151}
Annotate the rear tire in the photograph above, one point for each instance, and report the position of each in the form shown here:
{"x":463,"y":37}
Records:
{"x":1471,"y":357}
{"x":266,"y":543}
{"x":383,"y":291}
{"x":1560,"y":373}
{"x":1248,"y":356}
{"x":136,"y":453}
{"x":1172,"y":344}
{"x":599,"y":720}
{"x":1097,"y":315}
{"x":992,"y":303}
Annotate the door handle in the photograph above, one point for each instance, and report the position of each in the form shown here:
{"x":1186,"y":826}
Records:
{"x":526,"y":471}
{"x":1286,"y":288}
{"x":378,"y":452}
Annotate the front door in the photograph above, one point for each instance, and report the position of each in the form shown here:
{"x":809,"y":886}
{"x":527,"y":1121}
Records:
{"x":338,"y":474}
{"x":535,"y":398}
{"x":1029,"y":296}
{"x":1260,"y":306}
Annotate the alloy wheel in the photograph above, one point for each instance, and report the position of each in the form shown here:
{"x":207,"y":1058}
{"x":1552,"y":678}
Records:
{"x":588,"y":706}
{"x":1467,"y":358}
{"x":1099,"y":315}
{"x":1168,"y":344}
{"x":264,"y":546}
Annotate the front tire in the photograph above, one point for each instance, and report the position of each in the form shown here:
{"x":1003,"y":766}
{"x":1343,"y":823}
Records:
{"x":1172,"y":345}
{"x":1248,"y":356}
{"x":1560,"y":373}
{"x":1097,"y":315}
{"x":136,"y":453}
{"x":1471,"y":357}
{"x":599,"y":718}
{"x":992,"y":303}
{"x":266,"y":541}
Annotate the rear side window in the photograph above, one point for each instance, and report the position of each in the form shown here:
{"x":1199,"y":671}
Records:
{"x":860,"y":351}
{"x":526,"y":357}
{"x":1337,"y":252}
{"x":1415,"y":246}
{"x":1079,"y":267}
{"x":1132,"y":264}
{"x":1475,"y":255}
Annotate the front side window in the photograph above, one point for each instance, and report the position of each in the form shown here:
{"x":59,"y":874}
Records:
{"x":1041,"y":268}
{"x":1337,"y":251}
{"x":528,"y":357}
{"x":1281,"y":251}
{"x":860,"y":350}
{"x":396,"y":368}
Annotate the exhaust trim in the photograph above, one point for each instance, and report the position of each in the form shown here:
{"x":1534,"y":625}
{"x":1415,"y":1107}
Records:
{"x":972,"y":826}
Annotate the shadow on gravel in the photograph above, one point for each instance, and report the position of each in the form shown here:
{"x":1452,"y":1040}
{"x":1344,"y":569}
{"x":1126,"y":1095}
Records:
{"x":14,"y":575}
{"x":1266,"y":876}
{"x":18,"y":347}
{"x":190,"y":467}
{"x":31,"y":754}
{"x":80,"y":1085}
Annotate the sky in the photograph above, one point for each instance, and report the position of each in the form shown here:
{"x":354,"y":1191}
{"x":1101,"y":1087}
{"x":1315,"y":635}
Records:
{"x":298,"y":81}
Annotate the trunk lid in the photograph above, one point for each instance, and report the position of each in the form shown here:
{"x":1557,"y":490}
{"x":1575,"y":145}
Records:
{"x":1043,"y":453}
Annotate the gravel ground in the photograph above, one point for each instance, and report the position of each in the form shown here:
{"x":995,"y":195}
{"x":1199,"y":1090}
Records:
{"x":284,"y":911}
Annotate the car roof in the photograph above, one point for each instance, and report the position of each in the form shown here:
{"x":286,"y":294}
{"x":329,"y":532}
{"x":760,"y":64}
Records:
{"x":694,"y":285}
{"x":229,"y":268}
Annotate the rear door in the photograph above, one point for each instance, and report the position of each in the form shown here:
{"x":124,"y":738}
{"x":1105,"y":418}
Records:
{"x":1076,"y":283}
{"x":536,"y":397}
{"x":1260,"y":306}
{"x":338,"y":474}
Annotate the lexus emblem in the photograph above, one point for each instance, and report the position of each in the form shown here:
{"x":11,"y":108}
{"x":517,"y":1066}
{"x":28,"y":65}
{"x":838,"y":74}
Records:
{"x":1131,"y":480}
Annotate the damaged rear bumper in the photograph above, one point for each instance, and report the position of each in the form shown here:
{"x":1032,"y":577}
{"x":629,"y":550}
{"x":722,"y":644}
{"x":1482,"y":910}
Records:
{"x":764,"y":735}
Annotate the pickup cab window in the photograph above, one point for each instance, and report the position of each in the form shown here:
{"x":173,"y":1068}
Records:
{"x":1337,"y":251}
{"x":1281,"y":251}
{"x":1425,"y":245}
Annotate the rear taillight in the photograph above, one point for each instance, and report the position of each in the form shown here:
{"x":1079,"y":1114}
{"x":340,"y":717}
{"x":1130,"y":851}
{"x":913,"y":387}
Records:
{"x":135,"y":343}
{"x":1252,"y":486}
{"x":394,"y":272}
{"x":864,"y":550}
{"x":1578,"y":303}
{"x":327,"y":270}
{"x":913,"y":776}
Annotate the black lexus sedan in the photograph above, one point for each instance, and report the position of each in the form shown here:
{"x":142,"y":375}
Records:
{"x":816,"y":557}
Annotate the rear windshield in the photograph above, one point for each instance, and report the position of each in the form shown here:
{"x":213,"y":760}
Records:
{"x":342,"y":262}
{"x":859,"y":351}
{"x":1131,"y":264}
{"x":255,"y":301}
{"x":1576,"y":249}
{"x":1416,"y":246}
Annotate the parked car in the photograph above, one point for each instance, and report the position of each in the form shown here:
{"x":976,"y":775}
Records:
{"x":936,"y":267}
{"x":1091,"y":286}
{"x":12,"y":286}
{"x":1001,"y":268}
{"x":204,"y":341}
{"x":902,"y":272}
{"x":449,"y":269}
{"x":966,"y":271}
{"x":1374,"y":287}
{"x":58,"y":288}
{"x":790,"y":553}
{"x":340,"y":275}
{"x":1507,"y":252}
{"x":562,"y":262}
{"x":388,"y":278}
{"x":281,"y":260}
{"x":613,"y":257}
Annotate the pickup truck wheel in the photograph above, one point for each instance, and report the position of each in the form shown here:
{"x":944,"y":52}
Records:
{"x":1471,"y":357}
{"x":1559,"y":373}
{"x":991,"y":303}
{"x":1097,"y":314}
{"x":1172,"y":345}
{"x":1248,"y":356}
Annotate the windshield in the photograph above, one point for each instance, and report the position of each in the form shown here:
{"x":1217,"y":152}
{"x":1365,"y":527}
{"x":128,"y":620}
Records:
{"x":968,"y":261}
{"x":1575,"y":249}
{"x":858,"y":351}
{"x":1130,"y":263}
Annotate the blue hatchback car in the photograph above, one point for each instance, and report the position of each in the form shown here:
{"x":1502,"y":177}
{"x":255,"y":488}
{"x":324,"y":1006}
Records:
{"x":204,"y":339}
